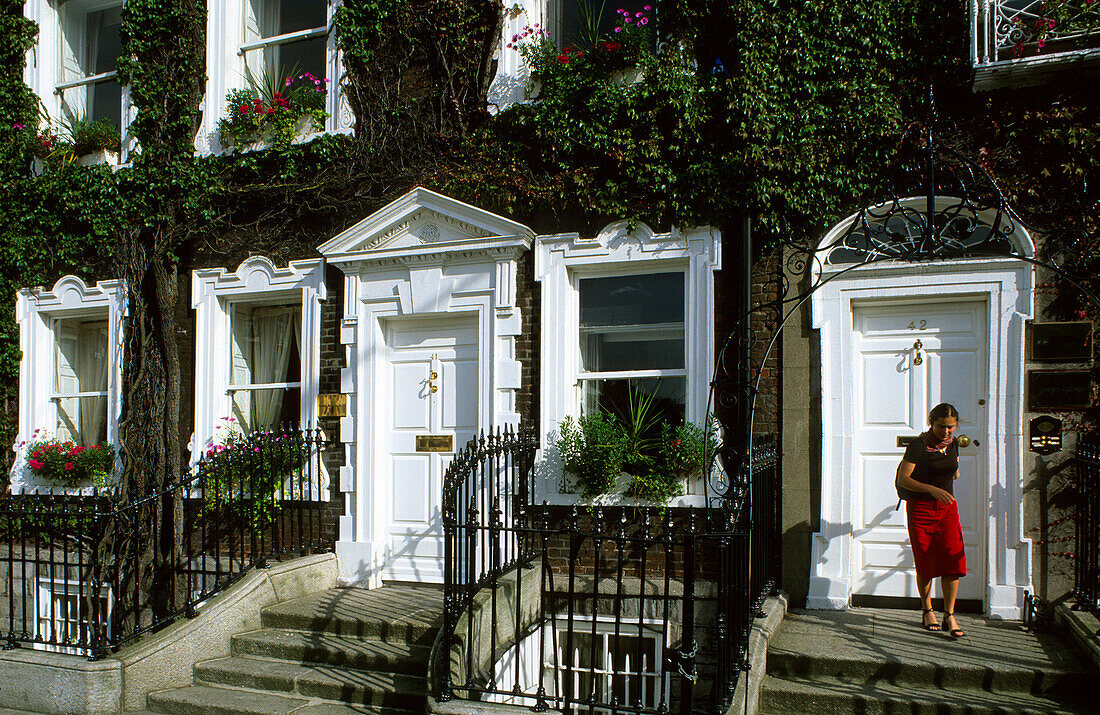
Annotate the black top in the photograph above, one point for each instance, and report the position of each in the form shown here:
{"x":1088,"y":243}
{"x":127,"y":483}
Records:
{"x":935,"y":468}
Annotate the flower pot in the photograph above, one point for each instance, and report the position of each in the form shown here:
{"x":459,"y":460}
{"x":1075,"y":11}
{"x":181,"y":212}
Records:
{"x":103,"y":156}
{"x":630,"y":75}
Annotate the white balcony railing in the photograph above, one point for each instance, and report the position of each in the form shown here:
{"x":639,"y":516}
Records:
{"x":1032,"y":32}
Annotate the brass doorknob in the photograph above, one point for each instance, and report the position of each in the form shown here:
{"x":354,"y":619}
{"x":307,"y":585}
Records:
{"x":964,"y":441}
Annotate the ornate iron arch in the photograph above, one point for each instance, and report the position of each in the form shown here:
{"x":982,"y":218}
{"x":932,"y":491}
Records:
{"x":947,"y":207}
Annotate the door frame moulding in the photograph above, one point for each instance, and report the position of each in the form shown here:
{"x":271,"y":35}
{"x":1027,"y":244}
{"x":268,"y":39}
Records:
{"x":1005,"y":284}
{"x":424,"y":255}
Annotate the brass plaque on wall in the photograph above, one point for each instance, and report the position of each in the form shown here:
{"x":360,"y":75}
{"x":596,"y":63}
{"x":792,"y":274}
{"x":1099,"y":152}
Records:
{"x":332,"y":405}
{"x":1062,"y":342}
{"x":1059,"y":389}
{"x":905,"y":439}
{"x":435,"y":443}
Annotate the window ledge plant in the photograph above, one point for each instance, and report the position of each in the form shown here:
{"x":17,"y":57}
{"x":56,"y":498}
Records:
{"x":635,"y":453}
{"x":66,"y":463}
{"x":617,"y":57}
{"x":274,"y":113}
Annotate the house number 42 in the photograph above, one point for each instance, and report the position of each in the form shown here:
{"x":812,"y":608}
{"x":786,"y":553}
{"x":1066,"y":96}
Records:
{"x":918,"y":324}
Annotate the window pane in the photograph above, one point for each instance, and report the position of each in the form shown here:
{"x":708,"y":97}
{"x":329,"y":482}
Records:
{"x":614,"y":396}
{"x":80,"y":365}
{"x":264,"y":350}
{"x":582,"y":22}
{"x":103,"y":40}
{"x":295,"y":15}
{"x":632,"y":322}
{"x":290,"y":59}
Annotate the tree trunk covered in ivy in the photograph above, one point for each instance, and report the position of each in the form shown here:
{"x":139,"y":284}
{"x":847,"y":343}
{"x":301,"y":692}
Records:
{"x":163,"y":66}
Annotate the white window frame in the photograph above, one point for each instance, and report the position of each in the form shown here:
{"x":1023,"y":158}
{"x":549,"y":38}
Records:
{"x":45,"y":67}
{"x":56,"y":396}
{"x":227,"y":40}
{"x":215,"y":292}
{"x":619,"y":250}
{"x":37,"y":312}
{"x":49,"y":597}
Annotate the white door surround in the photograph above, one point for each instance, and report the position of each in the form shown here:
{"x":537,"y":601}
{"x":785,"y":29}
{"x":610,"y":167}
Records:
{"x":1005,"y":286}
{"x":428,"y":256}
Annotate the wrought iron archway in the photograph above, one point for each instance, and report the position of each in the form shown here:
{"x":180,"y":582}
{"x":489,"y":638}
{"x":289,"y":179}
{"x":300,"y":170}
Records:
{"x":949,"y":208}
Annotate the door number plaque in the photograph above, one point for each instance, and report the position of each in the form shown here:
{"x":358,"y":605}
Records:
{"x":435,"y":443}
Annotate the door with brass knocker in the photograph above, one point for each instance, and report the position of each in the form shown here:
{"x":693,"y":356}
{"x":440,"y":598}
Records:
{"x":431,"y":387}
{"x":908,"y":357}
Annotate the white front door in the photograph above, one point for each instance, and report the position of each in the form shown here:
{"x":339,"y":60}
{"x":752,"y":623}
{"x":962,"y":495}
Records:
{"x":909,"y":357}
{"x":432,"y":379}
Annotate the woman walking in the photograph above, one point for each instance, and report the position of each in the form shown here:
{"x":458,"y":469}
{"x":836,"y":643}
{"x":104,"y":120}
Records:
{"x":927,"y":471}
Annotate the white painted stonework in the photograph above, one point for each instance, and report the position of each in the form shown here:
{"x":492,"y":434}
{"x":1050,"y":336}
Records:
{"x":214,"y":292}
{"x":36,"y":309}
{"x":423,"y":257}
{"x":1002,"y":289}
{"x":560,"y":260}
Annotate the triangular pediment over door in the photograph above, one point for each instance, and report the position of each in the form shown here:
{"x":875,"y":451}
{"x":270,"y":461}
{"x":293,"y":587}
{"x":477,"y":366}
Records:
{"x":422,"y":218}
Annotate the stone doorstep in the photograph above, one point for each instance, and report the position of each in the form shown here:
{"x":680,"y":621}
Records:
{"x":1083,"y":628}
{"x":206,"y":700}
{"x":781,"y":695}
{"x":332,"y":649}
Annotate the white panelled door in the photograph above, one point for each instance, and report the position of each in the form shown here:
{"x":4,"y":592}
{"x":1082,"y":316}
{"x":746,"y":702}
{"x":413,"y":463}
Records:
{"x":432,"y":381}
{"x":909,"y":357}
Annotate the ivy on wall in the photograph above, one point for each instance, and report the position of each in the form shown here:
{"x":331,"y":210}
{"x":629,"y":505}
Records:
{"x":790,"y":110}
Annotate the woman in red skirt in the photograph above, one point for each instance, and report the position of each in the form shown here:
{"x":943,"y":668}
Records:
{"x":928,"y":470}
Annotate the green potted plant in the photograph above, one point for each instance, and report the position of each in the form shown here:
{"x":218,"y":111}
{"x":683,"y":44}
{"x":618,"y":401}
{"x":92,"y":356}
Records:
{"x":93,"y":142}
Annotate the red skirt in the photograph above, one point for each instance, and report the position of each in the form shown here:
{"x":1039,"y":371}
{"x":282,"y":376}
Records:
{"x":936,"y":536}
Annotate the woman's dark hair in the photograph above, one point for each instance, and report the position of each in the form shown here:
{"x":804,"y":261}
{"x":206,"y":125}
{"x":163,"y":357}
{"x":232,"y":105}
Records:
{"x":941,"y":411}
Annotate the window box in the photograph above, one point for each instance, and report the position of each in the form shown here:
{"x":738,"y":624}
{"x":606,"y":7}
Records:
{"x":103,"y":156}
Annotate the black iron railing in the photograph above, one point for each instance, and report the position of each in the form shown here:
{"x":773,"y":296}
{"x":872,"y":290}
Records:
{"x":599,"y":609}
{"x":1086,"y":574}
{"x":87,"y":574}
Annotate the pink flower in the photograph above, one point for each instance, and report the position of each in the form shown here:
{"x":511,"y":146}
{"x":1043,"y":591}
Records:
{"x":618,"y":29}
{"x":69,"y":466}
{"x":647,"y":8}
{"x":17,"y":127}
{"x":35,"y":464}
{"x":642,"y":22}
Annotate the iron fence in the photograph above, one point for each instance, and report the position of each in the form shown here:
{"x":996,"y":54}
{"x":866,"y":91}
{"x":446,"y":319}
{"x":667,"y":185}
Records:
{"x":599,"y":609}
{"x":87,"y":574}
{"x":1086,"y":574}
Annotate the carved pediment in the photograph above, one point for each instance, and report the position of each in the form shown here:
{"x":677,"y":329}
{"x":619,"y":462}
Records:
{"x":422,"y":218}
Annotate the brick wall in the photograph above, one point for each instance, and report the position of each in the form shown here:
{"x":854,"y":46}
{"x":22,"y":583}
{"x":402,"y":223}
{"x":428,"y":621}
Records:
{"x":528,"y":345}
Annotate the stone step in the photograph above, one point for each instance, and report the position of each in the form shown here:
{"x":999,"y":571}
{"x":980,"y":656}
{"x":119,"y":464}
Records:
{"x":209,"y":700}
{"x":357,"y":687}
{"x":835,"y":696}
{"x":332,"y":649}
{"x":994,"y":674}
{"x":410,"y":614}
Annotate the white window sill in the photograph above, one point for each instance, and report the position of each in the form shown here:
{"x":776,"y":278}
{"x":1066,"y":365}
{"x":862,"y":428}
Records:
{"x":1036,"y":70}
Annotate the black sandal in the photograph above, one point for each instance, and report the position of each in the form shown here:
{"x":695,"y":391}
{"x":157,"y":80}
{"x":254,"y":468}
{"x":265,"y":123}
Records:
{"x":955,"y":632}
{"x":928,"y":626}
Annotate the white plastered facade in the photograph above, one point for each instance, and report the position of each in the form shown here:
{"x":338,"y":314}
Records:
{"x":214,"y":292}
{"x":1005,"y":285}
{"x":36,"y":309}
{"x":424,"y":255}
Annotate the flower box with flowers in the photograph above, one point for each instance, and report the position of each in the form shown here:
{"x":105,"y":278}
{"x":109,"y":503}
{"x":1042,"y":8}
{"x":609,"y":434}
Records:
{"x":65,"y":463}
{"x":593,"y":56}
{"x":637,"y":455}
{"x":250,"y":475}
{"x":263,"y":115}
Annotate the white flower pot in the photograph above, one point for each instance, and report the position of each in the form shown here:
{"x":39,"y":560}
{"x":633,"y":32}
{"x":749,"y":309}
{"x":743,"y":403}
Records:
{"x":103,"y":156}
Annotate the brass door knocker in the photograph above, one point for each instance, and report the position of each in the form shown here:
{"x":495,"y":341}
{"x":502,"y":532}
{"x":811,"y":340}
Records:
{"x":917,"y":359}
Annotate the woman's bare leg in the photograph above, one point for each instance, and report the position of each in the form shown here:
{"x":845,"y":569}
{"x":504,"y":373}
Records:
{"x":924,"y":588}
{"x":950,"y":586}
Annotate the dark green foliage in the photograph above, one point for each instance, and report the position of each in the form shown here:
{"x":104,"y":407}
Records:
{"x":792,"y":111}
